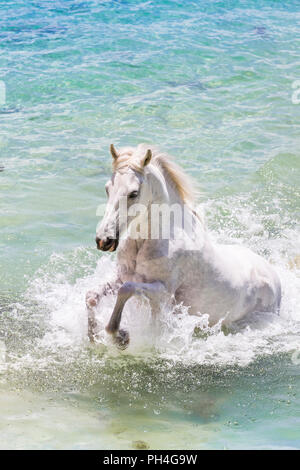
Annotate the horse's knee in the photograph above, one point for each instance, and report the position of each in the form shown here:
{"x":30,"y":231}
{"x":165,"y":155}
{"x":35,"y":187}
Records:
{"x":126,"y":290}
{"x":91,"y":299}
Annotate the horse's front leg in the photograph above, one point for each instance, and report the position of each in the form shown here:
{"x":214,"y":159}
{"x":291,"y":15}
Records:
{"x":92,"y":299}
{"x":127,"y":290}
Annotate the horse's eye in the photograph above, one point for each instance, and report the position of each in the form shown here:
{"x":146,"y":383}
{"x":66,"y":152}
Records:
{"x":133,"y":195}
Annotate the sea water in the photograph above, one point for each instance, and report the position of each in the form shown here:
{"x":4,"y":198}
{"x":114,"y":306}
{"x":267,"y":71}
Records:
{"x":214,"y":83}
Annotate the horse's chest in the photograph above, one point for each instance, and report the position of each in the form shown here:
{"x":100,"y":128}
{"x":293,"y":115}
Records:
{"x":127,"y":259}
{"x":137,"y":264}
{"x":126,"y":268}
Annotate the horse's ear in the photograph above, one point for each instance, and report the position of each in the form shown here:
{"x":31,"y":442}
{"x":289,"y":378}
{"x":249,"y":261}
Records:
{"x":147,"y":158}
{"x":113,"y":152}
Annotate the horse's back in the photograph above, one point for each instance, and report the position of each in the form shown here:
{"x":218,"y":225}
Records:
{"x":259,"y":282}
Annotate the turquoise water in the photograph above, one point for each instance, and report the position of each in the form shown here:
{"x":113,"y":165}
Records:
{"x":210,"y":82}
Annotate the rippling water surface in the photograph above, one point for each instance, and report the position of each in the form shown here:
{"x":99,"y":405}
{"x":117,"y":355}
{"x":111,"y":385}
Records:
{"x":211,"y":82}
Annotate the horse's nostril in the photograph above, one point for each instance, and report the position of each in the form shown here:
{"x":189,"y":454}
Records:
{"x":106,"y":243}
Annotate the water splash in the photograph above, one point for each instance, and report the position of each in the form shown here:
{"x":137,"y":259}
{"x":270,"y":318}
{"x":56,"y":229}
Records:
{"x":179,"y":337}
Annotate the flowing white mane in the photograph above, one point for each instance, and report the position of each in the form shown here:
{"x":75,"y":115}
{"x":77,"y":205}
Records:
{"x":131,"y":157}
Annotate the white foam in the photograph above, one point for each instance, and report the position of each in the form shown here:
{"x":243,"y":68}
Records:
{"x":174,"y":338}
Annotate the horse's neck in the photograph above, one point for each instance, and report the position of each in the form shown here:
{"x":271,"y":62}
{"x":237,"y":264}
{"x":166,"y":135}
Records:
{"x":166,"y":193}
{"x":162,"y":192}
{"x":162,"y":189}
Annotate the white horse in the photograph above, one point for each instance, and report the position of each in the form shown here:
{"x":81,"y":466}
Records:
{"x":224,"y":281}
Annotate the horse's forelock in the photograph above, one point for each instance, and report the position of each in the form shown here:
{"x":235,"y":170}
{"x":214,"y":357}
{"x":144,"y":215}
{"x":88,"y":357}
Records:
{"x":129,"y":157}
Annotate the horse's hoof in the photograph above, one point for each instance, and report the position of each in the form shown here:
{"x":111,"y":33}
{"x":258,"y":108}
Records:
{"x":122,"y":339}
{"x":91,"y":299}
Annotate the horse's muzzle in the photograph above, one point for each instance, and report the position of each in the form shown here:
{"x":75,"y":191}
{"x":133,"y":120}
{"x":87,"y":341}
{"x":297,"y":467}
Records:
{"x":107,"y":244}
